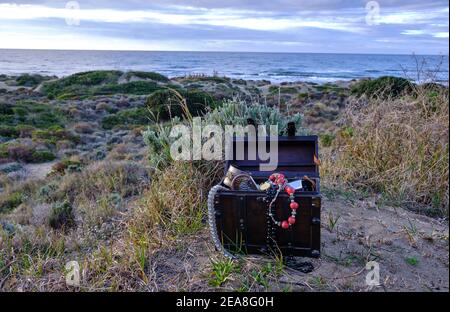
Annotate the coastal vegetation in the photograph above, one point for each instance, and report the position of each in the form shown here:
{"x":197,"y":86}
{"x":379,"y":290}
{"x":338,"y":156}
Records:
{"x":86,"y":175}
{"x":397,"y":147}
{"x":384,"y":87}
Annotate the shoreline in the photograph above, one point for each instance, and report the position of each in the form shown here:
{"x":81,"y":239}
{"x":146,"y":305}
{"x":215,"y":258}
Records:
{"x":8,"y":82}
{"x":311,"y":80}
{"x":320,"y":81}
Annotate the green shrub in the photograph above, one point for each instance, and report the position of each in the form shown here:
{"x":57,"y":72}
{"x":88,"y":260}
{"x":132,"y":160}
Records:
{"x":47,"y":191}
{"x":46,"y":120}
{"x":20,"y":111}
{"x":383,"y":87}
{"x":158,"y":143}
{"x":303,"y":96}
{"x":433,"y":93}
{"x":61,"y":216}
{"x":203,"y":78}
{"x":28,"y":80}
{"x":413,"y":261}
{"x":6,"y":109}
{"x":25,"y":153}
{"x":329,"y":87}
{"x":347,"y":132}
{"x":55,"y":134}
{"x":79,"y":83}
{"x":148,"y":75}
{"x":30,"y":113}
{"x":198,"y":101}
{"x":92,"y":78}
{"x":109,"y":122}
{"x":166,"y":104}
{"x":9,"y":131}
{"x":10,"y":201}
{"x":238,"y":112}
{"x":326,"y":139}
{"x":16,"y":151}
{"x":134,"y":87}
{"x":42,"y":156}
{"x":127,"y":117}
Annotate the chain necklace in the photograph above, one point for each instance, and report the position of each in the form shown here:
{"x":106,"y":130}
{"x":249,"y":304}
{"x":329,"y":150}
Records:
{"x":212,"y":221}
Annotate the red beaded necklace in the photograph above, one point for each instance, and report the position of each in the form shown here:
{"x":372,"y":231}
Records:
{"x":279,"y":182}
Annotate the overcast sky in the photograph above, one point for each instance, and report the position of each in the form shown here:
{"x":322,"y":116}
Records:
{"x":341,"y":26}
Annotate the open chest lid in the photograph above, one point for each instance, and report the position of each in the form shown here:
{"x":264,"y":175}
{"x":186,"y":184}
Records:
{"x":296,"y":156}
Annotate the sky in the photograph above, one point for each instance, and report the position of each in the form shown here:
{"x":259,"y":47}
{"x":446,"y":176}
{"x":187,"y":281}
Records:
{"x":319,"y":26}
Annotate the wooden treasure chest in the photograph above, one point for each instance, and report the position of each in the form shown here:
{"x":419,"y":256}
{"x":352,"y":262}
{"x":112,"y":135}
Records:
{"x":242,"y":220}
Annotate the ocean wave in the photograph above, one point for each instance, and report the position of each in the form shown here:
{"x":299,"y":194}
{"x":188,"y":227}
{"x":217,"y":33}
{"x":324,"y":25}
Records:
{"x":275,"y":67}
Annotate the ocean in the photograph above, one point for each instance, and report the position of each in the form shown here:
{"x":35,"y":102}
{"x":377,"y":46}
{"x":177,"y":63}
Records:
{"x":276,"y":67}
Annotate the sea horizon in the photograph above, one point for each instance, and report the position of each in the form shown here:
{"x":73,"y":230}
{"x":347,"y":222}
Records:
{"x":273,"y":66}
{"x":211,"y":51}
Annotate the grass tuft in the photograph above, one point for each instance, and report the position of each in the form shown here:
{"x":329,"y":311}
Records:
{"x":396,"y":147}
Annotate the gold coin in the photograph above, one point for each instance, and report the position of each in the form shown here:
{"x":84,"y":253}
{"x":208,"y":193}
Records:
{"x":264,"y":186}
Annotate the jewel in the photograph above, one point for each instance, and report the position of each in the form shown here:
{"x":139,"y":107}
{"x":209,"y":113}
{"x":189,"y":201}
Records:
{"x":291,"y":220}
{"x":285,"y":225}
{"x":293,"y":205}
{"x":290,"y":190}
{"x":272,"y":177}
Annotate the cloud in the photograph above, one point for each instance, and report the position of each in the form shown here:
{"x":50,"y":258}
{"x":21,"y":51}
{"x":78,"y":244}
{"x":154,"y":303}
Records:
{"x":424,"y":32}
{"x":244,"y":25}
{"x":253,"y":20}
{"x":423,"y":16}
{"x":441,"y":35}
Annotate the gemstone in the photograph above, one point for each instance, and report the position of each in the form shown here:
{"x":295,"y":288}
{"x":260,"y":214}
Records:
{"x":293,"y":205}
{"x":290,"y":190}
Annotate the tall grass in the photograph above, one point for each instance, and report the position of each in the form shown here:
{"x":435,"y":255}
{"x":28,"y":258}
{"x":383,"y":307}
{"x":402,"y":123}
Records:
{"x":175,"y":201}
{"x":397,"y":147}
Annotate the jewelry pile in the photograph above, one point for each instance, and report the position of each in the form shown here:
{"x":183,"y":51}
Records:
{"x":238,"y":180}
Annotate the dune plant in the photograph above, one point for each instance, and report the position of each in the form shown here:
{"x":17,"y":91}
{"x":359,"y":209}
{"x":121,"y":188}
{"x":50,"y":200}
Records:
{"x":169,"y":102}
{"x":383,"y":87}
{"x":398,"y":147}
{"x":232,"y":113}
